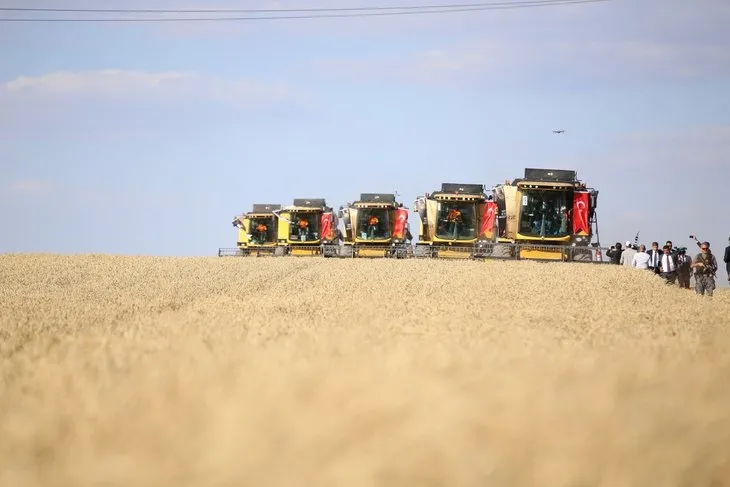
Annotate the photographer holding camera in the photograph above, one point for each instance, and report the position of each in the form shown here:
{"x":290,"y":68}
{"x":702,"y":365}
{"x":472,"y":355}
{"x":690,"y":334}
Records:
{"x":614,"y":253}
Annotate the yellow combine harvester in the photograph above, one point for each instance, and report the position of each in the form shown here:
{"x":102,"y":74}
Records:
{"x":375,"y":226}
{"x":550,"y":213}
{"x":307,"y":227}
{"x":455,"y":222}
{"x":257,"y":232}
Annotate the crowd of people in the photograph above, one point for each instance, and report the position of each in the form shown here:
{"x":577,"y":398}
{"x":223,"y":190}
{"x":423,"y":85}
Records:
{"x":672,"y":263}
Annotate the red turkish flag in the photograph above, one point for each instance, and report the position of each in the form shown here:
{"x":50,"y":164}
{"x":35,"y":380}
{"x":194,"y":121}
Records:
{"x":580,"y":213}
{"x":490,"y":214}
{"x":328,"y":231}
{"x":401,"y":219}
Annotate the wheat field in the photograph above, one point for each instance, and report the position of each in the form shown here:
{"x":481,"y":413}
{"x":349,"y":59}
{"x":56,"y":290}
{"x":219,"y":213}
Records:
{"x":145,"y":371}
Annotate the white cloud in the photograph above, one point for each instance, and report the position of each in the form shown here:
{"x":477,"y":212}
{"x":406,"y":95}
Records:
{"x":122,"y":85}
{"x":28,"y":187}
{"x":499,"y":60}
{"x":606,"y":44}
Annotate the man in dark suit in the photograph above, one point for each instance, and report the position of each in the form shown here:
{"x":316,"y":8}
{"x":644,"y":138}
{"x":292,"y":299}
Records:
{"x":655,"y":257}
{"x":668,"y":265}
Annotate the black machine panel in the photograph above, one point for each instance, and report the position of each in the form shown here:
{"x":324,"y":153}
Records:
{"x":310,"y":202}
{"x":551,"y":175}
{"x":264,"y":208}
{"x":377,"y":198}
{"x":462,"y":188}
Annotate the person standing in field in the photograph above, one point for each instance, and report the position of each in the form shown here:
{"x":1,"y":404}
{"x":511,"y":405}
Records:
{"x":672,"y":250}
{"x":641,"y":258}
{"x":727,"y":260}
{"x":627,"y":256}
{"x":705,"y":267}
{"x":614,"y":253}
{"x":654,"y":256}
{"x":684,"y":268}
{"x":668,"y":265}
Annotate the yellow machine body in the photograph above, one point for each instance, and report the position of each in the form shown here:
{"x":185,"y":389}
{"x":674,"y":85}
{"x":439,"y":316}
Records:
{"x":450,"y":221}
{"x":537,"y":212}
{"x":300,"y":226}
{"x":257,"y":229}
{"x":375,"y":226}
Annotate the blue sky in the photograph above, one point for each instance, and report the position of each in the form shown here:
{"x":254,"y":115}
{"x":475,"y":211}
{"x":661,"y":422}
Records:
{"x":150,"y":138}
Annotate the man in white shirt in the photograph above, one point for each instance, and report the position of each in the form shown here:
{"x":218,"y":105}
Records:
{"x":668,"y":265}
{"x":627,"y":256}
{"x":641,"y":258}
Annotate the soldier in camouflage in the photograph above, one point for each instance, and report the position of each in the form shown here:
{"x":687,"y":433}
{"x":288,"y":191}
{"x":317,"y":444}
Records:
{"x":705,"y":267}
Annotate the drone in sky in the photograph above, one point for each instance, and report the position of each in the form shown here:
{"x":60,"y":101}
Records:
{"x":561,"y":131}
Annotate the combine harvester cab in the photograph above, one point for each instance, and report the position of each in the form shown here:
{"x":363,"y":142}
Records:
{"x":457,"y":222}
{"x":549,"y":214}
{"x":257,"y":232}
{"x":308,"y":227}
{"x":375,"y":226}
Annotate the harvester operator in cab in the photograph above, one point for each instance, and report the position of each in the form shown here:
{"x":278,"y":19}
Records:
{"x":260,"y":235}
{"x":454,"y":220}
{"x":303,"y":226}
{"x":372,"y":225}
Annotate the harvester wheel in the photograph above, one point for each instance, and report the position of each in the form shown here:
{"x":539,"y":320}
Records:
{"x":279,"y":251}
{"x":422,"y":251}
{"x":502,"y":252}
{"x":401,"y":252}
{"x":347,"y":251}
{"x":582,"y":255}
{"x":329,"y":250}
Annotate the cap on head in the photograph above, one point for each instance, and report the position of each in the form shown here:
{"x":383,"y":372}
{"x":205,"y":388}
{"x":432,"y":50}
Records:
{"x":628,"y":243}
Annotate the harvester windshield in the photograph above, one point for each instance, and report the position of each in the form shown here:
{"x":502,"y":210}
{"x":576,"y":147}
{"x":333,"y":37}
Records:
{"x":373,"y":223}
{"x":304,"y":227}
{"x":262,"y":230}
{"x":545,"y":213}
{"x":457,"y":220}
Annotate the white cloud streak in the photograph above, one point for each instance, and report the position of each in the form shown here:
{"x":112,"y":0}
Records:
{"x":28,"y":188}
{"x":490,"y":61}
{"x":612,"y":43}
{"x":122,"y":85}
